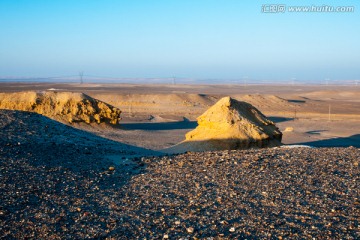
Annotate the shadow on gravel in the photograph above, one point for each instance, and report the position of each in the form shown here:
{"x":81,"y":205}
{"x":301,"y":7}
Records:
{"x":353,"y":140}
{"x":160,"y":126}
{"x":59,"y":178}
{"x":38,"y":143}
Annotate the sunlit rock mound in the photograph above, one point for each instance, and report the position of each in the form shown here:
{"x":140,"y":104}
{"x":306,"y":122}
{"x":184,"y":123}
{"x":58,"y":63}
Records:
{"x":229,"y":125}
{"x":64,"y":106}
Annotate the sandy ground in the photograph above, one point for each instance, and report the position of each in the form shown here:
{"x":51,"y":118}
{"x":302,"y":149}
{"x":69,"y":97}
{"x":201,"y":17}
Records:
{"x":158,"y":116}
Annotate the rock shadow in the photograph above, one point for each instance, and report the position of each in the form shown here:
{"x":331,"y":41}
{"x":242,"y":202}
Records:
{"x":316,"y":132}
{"x":160,"y":126}
{"x":296,"y":101}
{"x":220,"y":145}
{"x":279,"y":119}
{"x":353,"y":141}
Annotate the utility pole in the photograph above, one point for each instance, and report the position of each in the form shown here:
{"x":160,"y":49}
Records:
{"x":245,"y":80}
{"x":327,"y":81}
{"x":81,"y":74}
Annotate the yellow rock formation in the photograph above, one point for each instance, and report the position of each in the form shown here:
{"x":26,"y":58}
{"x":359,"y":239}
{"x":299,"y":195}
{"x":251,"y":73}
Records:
{"x":230,"y":124}
{"x":65,"y":106}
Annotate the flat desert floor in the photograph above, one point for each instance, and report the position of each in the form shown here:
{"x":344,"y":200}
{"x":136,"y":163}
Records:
{"x":158,"y":116}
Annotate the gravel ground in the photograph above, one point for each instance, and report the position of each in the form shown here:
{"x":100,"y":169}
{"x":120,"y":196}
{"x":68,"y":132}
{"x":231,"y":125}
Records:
{"x":55,"y":183}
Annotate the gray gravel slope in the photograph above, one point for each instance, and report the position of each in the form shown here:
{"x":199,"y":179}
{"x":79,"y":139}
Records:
{"x":55,"y":184}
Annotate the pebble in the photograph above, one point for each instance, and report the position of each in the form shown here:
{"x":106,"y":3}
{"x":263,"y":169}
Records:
{"x":47,"y":192}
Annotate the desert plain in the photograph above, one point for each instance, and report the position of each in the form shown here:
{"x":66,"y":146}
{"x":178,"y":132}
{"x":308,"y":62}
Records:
{"x":315,"y":115}
{"x":89,"y":180}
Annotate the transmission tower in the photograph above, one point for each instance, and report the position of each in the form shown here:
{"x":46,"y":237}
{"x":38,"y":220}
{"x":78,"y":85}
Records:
{"x":327,"y":81}
{"x":81,"y":74}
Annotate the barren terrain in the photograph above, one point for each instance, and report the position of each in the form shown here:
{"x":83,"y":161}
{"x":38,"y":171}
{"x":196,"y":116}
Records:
{"x":100,"y":181}
{"x":167,"y":112}
{"x":61,"y":183}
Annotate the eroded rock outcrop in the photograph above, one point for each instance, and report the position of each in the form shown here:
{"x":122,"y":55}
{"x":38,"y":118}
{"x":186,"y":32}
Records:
{"x":65,"y":106}
{"x":230,"y":124}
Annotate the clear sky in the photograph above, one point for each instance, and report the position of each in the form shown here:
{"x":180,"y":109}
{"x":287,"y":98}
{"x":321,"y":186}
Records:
{"x":183,"y":38}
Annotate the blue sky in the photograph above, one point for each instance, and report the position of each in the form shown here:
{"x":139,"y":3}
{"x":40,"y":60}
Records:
{"x":226,"y":39}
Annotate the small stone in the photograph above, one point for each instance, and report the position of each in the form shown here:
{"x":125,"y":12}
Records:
{"x":78,"y":209}
{"x":111,"y":168}
{"x":166,"y":236}
{"x":177,"y":222}
{"x":190,"y":230}
{"x":232,"y":229}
